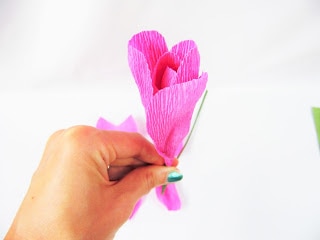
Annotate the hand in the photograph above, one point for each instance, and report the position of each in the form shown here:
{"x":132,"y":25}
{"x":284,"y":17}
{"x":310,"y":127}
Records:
{"x":71,"y":195}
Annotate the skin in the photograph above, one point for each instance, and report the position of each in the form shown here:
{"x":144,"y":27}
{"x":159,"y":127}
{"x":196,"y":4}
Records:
{"x":71,"y":195}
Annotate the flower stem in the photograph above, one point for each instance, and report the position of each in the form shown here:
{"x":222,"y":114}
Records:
{"x":194,"y":123}
{"x":189,"y":135}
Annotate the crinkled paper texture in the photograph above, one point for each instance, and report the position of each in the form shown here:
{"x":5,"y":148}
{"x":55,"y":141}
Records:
{"x":170,"y":86}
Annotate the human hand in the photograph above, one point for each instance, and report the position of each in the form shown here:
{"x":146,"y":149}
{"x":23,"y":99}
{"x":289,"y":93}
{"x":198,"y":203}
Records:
{"x":71,"y":195}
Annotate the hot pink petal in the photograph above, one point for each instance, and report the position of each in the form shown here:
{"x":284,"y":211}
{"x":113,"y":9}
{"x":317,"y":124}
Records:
{"x":159,"y":80}
{"x":169,"y":197}
{"x":169,"y":115}
{"x":188,"y":54}
{"x":169,"y":77}
{"x":189,"y":67}
{"x":151,"y":44}
{"x":182,"y":48}
{"x":141,"y":74}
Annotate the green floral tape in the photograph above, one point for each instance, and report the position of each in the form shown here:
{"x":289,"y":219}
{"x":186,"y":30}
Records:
{"x":316,"y":116}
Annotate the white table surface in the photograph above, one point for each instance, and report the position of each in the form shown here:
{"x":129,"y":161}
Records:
{"x":252,"y":167}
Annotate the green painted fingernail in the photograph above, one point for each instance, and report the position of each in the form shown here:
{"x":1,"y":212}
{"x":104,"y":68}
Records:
{"x":174,"y":177}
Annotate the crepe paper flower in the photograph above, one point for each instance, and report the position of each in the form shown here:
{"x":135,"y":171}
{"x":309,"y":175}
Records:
{"x":316,"y":117}
{"x":170,"y":86}
{"x":128,"y":125}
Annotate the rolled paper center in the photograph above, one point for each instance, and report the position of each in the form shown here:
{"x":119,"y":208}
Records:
{"x":168,"y":78}
{"x":165,"y":74}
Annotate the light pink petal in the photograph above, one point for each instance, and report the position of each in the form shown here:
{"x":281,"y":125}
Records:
{"x":182,"y":48}
{"x":151,"y":44}
{"x":189,"y":67}
{"x":103,"y":124}
{"x":136,"y":207}
{"x":169,"y":115}
{"x":141,"y":73}
{"x":159,"y":79}
{"x":128,"y":125}
{"x":170,"y":197}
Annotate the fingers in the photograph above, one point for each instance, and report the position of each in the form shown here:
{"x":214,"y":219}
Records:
{"x":127,"y":148}
{"x":121,"y":167}
{"x":141,"y":180}
{"x":130,"y":148}
{"x":131,"y":151}
{"x":116,"y":173}
{"x":120,"y":151}
{"x":123,"y":162}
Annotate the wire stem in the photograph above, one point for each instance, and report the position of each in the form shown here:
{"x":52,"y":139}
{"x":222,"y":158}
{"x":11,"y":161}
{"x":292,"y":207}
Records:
{"x":194,"y":123}
{"x":188,"y":138}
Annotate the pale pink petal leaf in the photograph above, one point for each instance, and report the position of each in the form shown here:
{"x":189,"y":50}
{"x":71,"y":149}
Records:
{"x":136,"y":207}
{"x":103,"y":124}
{"x":170,"y":86}
{"x":128,"y":125}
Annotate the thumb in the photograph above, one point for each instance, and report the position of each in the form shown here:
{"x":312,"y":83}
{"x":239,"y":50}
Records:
{"x":141,"y":180}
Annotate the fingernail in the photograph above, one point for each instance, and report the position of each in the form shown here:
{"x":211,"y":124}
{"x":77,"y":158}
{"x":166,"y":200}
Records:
{"x":174,"y":177}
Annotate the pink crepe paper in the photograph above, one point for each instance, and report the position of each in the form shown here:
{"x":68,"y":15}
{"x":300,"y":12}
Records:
{"x":128,"y":125}
{"x":170,"y":86}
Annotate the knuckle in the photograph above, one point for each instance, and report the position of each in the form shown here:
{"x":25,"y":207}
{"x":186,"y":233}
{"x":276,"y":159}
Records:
{"x":77,"y":135}
{"x":76,"y":131}
{"x":54,"y":135}
{"x":137,"y":136}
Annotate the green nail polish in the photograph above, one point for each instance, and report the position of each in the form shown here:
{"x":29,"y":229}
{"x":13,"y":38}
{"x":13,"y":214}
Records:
{"x":174,"y":177}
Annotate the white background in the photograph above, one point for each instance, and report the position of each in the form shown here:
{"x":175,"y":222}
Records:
{"x":252,"y":168}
